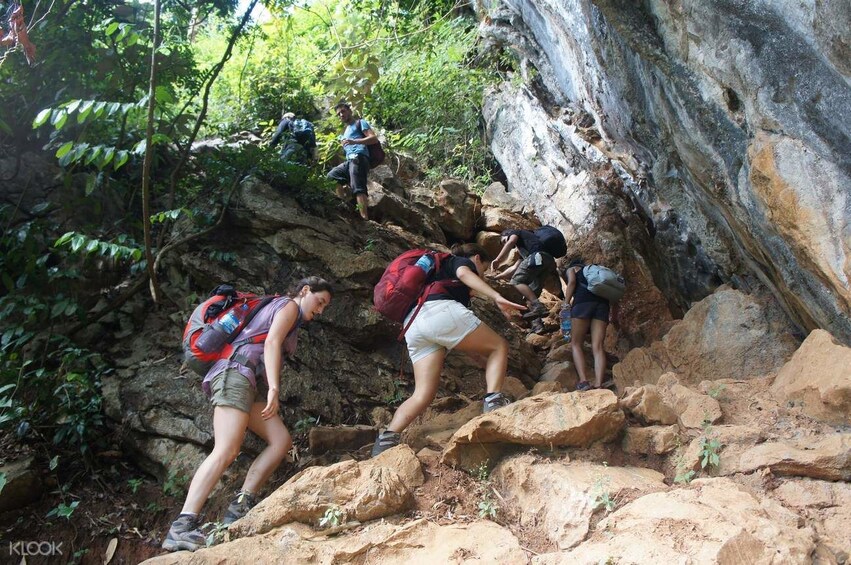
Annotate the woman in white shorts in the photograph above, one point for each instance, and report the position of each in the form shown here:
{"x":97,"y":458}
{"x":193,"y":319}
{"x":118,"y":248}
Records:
{"x":445,"y":322}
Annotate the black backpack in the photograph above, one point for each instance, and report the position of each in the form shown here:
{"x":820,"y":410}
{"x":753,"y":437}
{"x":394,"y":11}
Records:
{"x":303,"y":133}
{"x":552,"y":241}
{"x":376,"y":152}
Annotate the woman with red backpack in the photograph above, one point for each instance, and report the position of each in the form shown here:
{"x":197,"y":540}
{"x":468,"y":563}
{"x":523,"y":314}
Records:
{"x":243,"y":389}
{"x":444,"y":322}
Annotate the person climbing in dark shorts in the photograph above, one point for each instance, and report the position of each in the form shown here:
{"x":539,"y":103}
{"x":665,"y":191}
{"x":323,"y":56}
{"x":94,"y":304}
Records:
{"x":353,"y":171}
{"x":588,"y":312}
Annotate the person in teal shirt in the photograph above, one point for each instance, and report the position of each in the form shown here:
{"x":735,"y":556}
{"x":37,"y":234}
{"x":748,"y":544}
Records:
{"x":353,"y":171}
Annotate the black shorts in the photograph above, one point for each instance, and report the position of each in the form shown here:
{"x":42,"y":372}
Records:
{"x":590,"y":311}
{"x":353,"y":173}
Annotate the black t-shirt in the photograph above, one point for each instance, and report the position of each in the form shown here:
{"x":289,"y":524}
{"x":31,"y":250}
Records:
{"x":582,"y":294}
{"x":448,"y":269}
{"x":527,"y":241}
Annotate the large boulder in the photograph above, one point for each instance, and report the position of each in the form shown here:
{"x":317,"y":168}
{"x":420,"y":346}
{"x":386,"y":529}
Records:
{"x":22,"y":484}
{"x":361,"y":490}
{"x":558,"y":498}
{"x":714,"y":521}
{"x":549,"y":419}
{"x":646,"y":403}
{"x":727,"y":335}
{"x":818,"y":378}
{"x":420,"y":541}
{"x":692,"y":408}
{"x":827,"y":458}
{"x":458,"y":208}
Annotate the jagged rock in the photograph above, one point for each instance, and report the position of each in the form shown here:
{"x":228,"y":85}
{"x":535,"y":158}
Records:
{"x":23,"y":484}
{"x":558,"y":497}
{"x":818,"y":378}
{"x":561,"y":352}
{"x":383,"y":175}
{"x":568,"y":419}
{"x":691,"y":407}
{"x":321,"y":439}
{"x":827,"y":506}
{"x":420,"y":541}
{"x":727,"y":178}
{"x":459,"y":208}
{"x":656,"y":440}
{"x":545,"y":387}
{"x":563,"y":373}
{"x":714,"y":521}
{"x":827,"y":458}
{"x":515,"y":388}
{"x":437,"y":430}
{"x":727,"y":335}
{"x":499,"y":219}
{"x":490,"y":242}
{"x":416,"y":218}
{"x":497,"y":196}
{"x":647,"y":404}
{"x":733,"y":440}
{"x":365,"y":490}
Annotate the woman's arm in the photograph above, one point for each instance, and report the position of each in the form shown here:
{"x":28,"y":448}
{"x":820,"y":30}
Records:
{"x":282,"y":322}
{"x":507,"y":273}
{"x":474,"y":282}
{"x":571,"y":285}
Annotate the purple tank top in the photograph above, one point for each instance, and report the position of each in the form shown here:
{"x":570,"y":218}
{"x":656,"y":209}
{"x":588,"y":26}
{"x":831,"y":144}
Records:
{"x":250,"y":364}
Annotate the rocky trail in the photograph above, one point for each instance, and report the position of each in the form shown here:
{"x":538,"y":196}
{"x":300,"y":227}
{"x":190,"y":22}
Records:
{"x":725,"y":440}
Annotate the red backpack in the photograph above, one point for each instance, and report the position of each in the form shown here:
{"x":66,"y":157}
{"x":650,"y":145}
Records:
{"x":404,"y":284}
{"x":215,"y":324}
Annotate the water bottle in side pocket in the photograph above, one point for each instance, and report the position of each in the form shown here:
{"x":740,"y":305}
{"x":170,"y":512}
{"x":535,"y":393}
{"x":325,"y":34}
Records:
{"x":564,"y":316}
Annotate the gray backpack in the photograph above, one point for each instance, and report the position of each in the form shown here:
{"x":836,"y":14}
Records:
{"x":604,"y":282}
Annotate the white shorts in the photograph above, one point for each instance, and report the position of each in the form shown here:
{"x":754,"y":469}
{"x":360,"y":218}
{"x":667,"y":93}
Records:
{"x":439,"y":324}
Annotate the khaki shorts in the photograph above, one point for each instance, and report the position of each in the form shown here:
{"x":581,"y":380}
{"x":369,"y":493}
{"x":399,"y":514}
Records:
{"x":440,"y":324}
{"x":535,"y":276}
{"x":230,"y":388}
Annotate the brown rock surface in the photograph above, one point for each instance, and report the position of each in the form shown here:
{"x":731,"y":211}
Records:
{"x":729,"y":334}
{"x":362,"y":490}
{"x":818,"y":377}
{"x":714,"y":521}
{"x":647,"y":404}
{"x":692,"y":408}
{"x":321,"y":439}
{"x":567,"y":419}
{"x":559,"y":497}
{"x":826,"y":458}
{"x":419,"y":541}
{"x":656,"y":440}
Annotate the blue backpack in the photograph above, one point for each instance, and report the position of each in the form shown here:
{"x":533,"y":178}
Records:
{"x":303,"y":133}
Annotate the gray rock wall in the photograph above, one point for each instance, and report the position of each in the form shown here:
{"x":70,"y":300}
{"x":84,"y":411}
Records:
{"x":729,"y":122}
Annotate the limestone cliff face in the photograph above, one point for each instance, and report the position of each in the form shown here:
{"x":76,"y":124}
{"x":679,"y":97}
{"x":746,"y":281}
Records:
{"x":728,"y":123}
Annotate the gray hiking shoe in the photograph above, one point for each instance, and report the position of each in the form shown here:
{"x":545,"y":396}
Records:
{"x":537,"y":310}
{"x":494,"y":401}
{"x":185,"y":534}
{"x":240,"y":506}
{"x":537,"y":326}
{"x":385,"y":441}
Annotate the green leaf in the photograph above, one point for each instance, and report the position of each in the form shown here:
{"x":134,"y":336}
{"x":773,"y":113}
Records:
{"x":139,"y":149}
{"x":54,"y":463}
{"x":2,"y":481}
{"x":98,"y":108}
{"x":72,"y":106}
{"x":120,"y":158}
{"x":64,"y":239}
{"x":8,"y":282}
{"x":60,"y":123}
{"x":92,"y":246}
{"x":57,"y":309}
{"x":77,"y":242}
{"x":62,"y":151}
{"x":114,"y":107}
{"x":93,"y":154}
{"x":163,"y":96}
{"x":41,"y":118}
{"x":110,"y":29}
{"x":108,"y":154}
{"x":85,"y":110}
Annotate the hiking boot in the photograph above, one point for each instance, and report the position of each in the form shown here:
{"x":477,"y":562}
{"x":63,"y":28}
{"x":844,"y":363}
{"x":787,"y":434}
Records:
{"x":537,"y":310}
{"x":493,"y":401}
{"x":582,"y":386}
{"x":385,"y":441}
{"x":240,"y":506}
{"x":185,"y":533}
{"x":537,"y":326}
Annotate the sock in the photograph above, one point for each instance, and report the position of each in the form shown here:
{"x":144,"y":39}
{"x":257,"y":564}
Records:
{"x":192,"y":515}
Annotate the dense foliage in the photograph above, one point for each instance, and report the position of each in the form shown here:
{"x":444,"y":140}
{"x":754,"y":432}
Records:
{"x":410,"y":68}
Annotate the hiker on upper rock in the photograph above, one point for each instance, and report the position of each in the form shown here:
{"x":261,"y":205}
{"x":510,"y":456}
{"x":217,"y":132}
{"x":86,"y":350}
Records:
{"x":535,"y":267}
{"x":298,"y":137}
{"x":357,"y":135}
{"x":445,"y":322}
{"x":243,"y":389}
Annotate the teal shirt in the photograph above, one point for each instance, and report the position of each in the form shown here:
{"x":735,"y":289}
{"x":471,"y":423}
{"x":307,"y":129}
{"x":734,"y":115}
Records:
{"x":353,"y":132}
